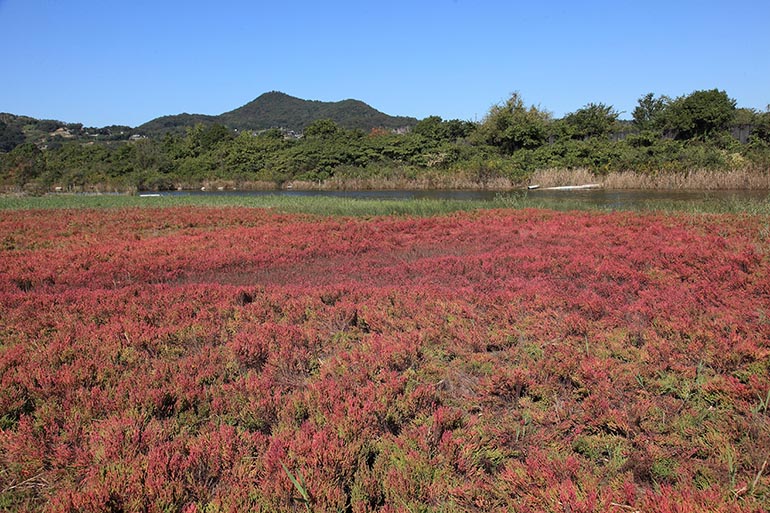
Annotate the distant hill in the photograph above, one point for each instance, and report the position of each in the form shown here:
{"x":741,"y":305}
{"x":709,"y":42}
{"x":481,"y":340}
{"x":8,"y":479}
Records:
{"x":48,"y":133}
{"x":279,"y":110}
{"x":175,"y":124}
{"x":270,"y":110}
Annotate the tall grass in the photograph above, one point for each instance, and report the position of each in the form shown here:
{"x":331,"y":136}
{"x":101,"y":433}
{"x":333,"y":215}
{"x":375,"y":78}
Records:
{"x":346,"y":206}
{"x":557,"y":177}
{"x":424,"y":181}
{"x":703,"y":179}
{"x":697,"y":179}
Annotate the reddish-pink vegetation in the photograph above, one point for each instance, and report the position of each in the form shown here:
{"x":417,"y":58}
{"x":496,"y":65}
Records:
{"x":173,"y":360}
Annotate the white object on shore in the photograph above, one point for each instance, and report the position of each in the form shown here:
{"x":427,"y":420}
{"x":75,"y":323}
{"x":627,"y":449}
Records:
{"x":530,"y":187}
{"x":574,"y":187}
{"x":149,"y":195}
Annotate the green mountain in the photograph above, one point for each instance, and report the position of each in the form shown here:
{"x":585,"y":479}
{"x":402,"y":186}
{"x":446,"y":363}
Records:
{"x":48,"y":133}
{"x":176,"y":124}
{"x":279,"y":110}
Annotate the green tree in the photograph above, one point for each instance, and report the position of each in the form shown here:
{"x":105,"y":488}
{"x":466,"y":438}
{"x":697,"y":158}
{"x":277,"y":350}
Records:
{"x":201,"y":138}
{"x":23,"y":164}
{"x":649,"y":110}
{"x":458,"y":129}
{"x":700,"y":115}
{"x":435,"y":128}
{"x":214,"y":135}
{"x":273,"y":134}
{"x":431,"y":127}
{"x":150,"y":155}
{"x":761,"y":129}
{"x":511,"y":126}
{"x":10,"y":136}
{"x":593,"y":120}
{"x":745,"y":116}
{"x":322,"y":129}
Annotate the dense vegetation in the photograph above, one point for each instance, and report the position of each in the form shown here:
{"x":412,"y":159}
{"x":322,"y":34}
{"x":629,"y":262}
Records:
{"x":227,"y":360}
{"x":700,"y":131}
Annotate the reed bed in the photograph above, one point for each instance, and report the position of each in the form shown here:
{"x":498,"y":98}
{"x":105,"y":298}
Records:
{"x":703,"y":179}
{"x":557,"y":177}
{"x":698,"y":179}
{"x":430,"y":181}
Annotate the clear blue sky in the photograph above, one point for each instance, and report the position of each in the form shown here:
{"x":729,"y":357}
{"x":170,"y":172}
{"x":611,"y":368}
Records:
{"x":104,"y":62}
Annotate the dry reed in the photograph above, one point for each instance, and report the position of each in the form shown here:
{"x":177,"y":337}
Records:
{"x":703,"y":179}
{"x":232,"y":185}
{"x":699,"y":179}
{"x":422,"y":182}
{"x":557,"y":177}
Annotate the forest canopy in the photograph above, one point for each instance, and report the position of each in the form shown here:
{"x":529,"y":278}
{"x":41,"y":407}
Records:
{"x":702,"y":130}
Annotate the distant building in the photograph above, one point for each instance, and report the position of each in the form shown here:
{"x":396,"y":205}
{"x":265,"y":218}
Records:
{"x":62,"y":132}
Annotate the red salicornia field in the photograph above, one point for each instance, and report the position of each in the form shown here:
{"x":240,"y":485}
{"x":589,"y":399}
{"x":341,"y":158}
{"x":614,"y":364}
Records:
{"x":233,"y":359}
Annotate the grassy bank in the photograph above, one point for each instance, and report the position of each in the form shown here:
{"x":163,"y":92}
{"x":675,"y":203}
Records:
{"x":338,"y":206}
{"x":695,"y":179}
{"x":490,"y":177}
{"x":744,"y":178}
{"x":288,"y":204}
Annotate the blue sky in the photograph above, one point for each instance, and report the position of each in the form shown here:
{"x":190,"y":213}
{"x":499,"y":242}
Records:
{"x":104,"y":62}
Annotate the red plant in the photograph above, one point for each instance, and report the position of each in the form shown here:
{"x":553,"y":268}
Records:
{"x":531,"y":360}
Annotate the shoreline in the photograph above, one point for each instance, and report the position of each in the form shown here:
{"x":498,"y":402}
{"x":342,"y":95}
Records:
{"x":550,"y":179}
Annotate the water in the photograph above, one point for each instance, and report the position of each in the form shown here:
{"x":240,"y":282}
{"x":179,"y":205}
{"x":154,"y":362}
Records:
{"x":600,"y":198}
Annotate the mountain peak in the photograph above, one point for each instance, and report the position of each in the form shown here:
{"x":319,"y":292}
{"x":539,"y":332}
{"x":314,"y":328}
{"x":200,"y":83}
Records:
{"x":275,"y":109}
{"x":273,"y":95}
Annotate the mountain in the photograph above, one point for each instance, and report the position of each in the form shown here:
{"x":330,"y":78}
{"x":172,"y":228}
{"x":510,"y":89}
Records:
{"x":16,"y":129}
{"x":279,"y":110}
{"x":177,"y":123}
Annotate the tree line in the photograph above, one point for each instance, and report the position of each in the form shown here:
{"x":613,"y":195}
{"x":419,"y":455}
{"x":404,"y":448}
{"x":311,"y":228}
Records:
{"x":512,"y":141}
